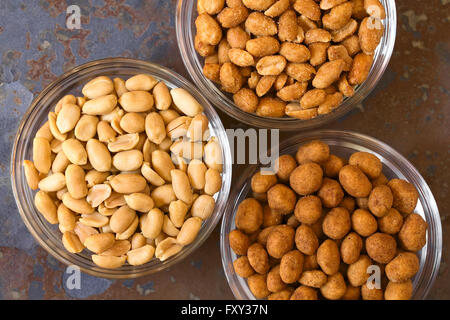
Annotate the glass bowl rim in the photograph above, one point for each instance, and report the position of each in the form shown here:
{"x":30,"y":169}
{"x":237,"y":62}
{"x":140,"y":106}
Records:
{"x":93,"y":67}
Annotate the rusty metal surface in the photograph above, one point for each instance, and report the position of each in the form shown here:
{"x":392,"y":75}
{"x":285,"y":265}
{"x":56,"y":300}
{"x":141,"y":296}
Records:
{"x":409,"y":110}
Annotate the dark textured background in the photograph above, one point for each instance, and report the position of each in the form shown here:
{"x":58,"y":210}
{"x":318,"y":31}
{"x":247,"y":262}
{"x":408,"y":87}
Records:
{"x":409,"y":110}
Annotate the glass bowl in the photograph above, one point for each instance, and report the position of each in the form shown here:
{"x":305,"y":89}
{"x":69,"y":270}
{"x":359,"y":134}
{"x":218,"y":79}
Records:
{"x":49,"y":236}
{"x":185,"y":28}
{"x":344,"y":143}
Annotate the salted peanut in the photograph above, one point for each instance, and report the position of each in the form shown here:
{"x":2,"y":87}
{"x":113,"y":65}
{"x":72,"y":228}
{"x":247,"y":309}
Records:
{"x":128,"y":233}
{"x":95,"y":220}
{"x":151,"y":176}
{"x":328,"y":73}
{"x":124,"y":142}
{"x":330,"y":193}
{"x":305,"y":23}
{"x":359,"y":12}
{"x":163,"y":195}
{"x":258,"y":5}
{"x":336,"y":223}
{"x":331,"y":102}
{"x":260,"y":25}
{"x":262,"y":46}
{"x":74,"y":151}
{"x":98,"y":243}
{"x":167,"y":248}
{"x":162,"y":164}
{"x":317,"y":35}
{"x":181,"y":186}
{"x":81,"y":101}
{"x":277,"y":8}
{"x":274,"y":281}
{"x":139,"y":202}
{"x":140,"y":256}
{"x":98,"y":87}
{"x":68,"y":117}
{"x":300,"y":71}
{"x":109,"y":262}
{"x":328,"y":257}
{"x":80,"y":206}
{"x":403,"y":267}
{"x":138,"y":241}
{"x":100,"y":106}
{"x":119,"y":86}
{"x":128,"y":160}
{"x":280,"y":240}
{"x":196,"y":173}
{"x":119,"y":248}
{"x":42,"y":155}
{"x":152,"y":223}
{"x":338,"y":16}
{"x":56,"y":145}
{"x":132,"y":123}
{"x":128,"y":183}
{"x":141,"y":82}
{"x":258,"y":258}
{"x":360,"y":68}
{"x":105,"y":132}
{"x":122,"y":219}
{"x":405,"y":195}
{"x":52,"y":183}
{"x":46,"y":206}
{"x":380,"y":200}
{"x":71,"y":242}
{"x":185,"y":102}
{"x":147,"y":150}
{"x":375,"y":9}
{"x":288,"y":29}
{"x":99,"y":156}
{"x":308,"y":8}
{"x":291,"y":266}
{"x":189,"y":231}
{"x":86,"y":128}
{"x":281,"y":81}
{"x":52,"y":116}
{"x":212,"y":155}
{"x":271,"y":107}
{"x":203,"y":207}
{"x":252,"y":82}
{"x":70,"y":98}
{"x":363,"y":222}
{"x":210,"y":6}
{"x":178,"y":127}
{"x":352,"y":45}
{"x":97,"y":194}
{"x":295,"y":110}
{"x":44,"y":132}
{"x":75,"y":181}
{"x":136,"y":101}
{"x":281,"y":198}
{"x":83,"y":231}
{"x":413,"y":233}
{"x":312,"y":98}
{"x":340,"y":52}
{"x":115,"y":200}
{"x":31,"y":174}
{"x":344,"y":33}
{"x":264,"y":85}
{"x":198,"y":128}
{"x":306,"y":178}
{"x":94,"y":177}
{"x":391,"y":222}
{"x":370,"y":33}
{"x":177,"y":212}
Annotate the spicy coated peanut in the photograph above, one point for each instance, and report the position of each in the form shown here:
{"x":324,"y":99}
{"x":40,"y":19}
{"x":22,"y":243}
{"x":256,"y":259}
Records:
{"x":128,"y":171}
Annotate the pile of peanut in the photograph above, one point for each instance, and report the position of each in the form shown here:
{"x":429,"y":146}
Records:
{"x":128,"y":171}
{"x":321,"y":225}
{"x":296,"y":58}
